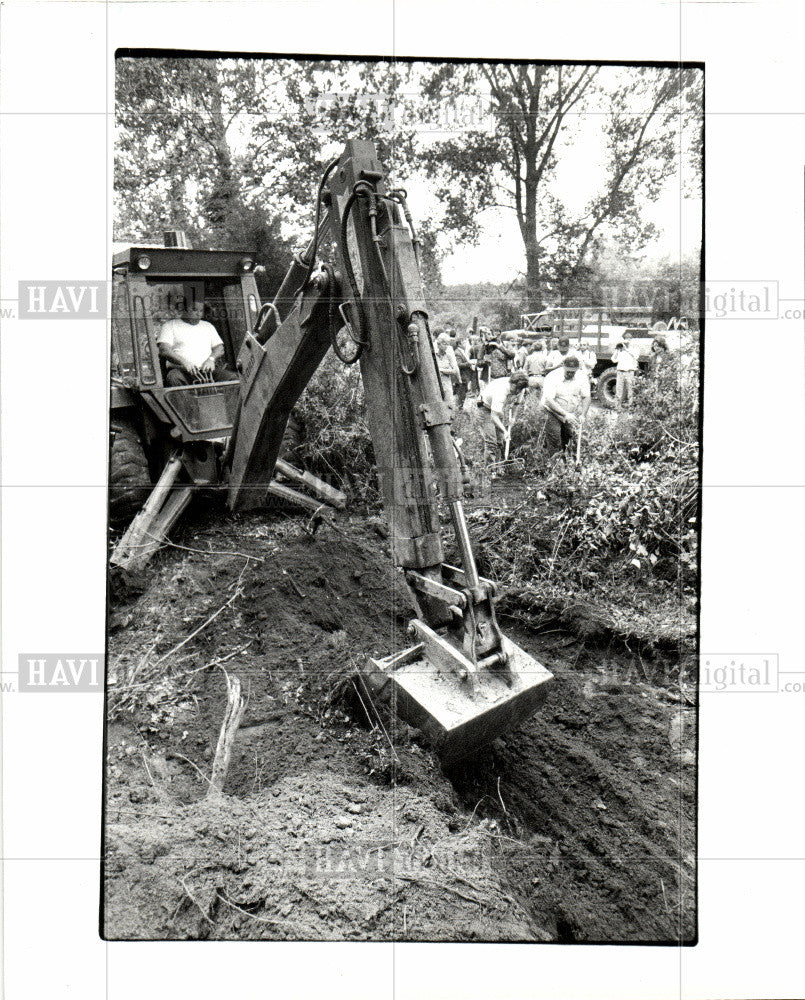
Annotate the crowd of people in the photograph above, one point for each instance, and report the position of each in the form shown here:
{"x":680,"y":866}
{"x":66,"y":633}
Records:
{"x":501,"y":371}
{"x":497,"y":371}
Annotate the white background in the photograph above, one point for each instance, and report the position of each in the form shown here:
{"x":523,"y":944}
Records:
{"x":57,"y":105}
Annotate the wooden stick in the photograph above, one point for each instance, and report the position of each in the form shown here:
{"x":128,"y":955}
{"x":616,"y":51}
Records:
{"x":434,"y":884}
{"x":294,"y":496}
{"x":235,"y":706}
{"x":209,"y":621}
{"x":332,"y":496}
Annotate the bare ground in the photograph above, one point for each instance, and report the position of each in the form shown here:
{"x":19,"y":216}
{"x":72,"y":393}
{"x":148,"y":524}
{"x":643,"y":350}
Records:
{"x":337,"y":823}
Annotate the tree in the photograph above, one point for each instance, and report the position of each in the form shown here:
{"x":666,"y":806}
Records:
{"x":659,"y":288}
{"x":306,"y":111}
{"x":429,"y":259}
{"x":231,"y":150}
{"x":174,"y":163}
{"x":535,"y":111}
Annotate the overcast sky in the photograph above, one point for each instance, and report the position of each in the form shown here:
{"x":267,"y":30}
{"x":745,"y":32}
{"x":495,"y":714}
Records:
{"x":499,"y":254}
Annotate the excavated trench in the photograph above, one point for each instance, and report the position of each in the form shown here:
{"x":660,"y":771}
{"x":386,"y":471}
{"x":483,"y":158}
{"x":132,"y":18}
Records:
{"x":338,"y":822}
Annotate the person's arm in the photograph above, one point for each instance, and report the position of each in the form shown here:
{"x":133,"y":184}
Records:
{"x":559,"y":411}
{"x":515,"y":408}
{"x":585,"y":400}
{"x":215,"y":355}
{"x":549,"y":400}
{"x":585,"y":406}
{"x":497,"y":420}
{"x":496,"y":345}
{"x":216,"y":350}
{"x":167,"y":352}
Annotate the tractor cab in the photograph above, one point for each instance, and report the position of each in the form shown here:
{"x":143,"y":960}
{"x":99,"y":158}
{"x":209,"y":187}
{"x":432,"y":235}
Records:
{"x":151,"y":285}
{"x":168,"y":441}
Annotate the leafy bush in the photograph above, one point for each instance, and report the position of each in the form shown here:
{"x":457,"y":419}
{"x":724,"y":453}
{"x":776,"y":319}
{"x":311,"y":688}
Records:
{"x":629,"y":514}
{"x":336,"y":445}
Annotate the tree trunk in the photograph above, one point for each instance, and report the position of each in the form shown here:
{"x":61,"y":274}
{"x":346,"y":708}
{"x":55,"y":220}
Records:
{"x":529,"y":224}
{"x":225,"y":200}
{"x":533,"y":281}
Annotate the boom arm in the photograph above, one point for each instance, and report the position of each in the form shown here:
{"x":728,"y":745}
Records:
{"x":371,"y":291}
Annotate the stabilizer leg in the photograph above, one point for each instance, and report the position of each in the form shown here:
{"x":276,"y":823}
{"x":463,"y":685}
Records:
{"x":150,"y":527}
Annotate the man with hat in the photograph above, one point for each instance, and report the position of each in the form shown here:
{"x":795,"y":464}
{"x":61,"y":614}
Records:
{"x":566,"y":400}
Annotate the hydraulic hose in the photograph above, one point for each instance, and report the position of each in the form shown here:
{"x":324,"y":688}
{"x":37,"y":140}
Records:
{"x":355,"y":292}
{"x":314,"y":248}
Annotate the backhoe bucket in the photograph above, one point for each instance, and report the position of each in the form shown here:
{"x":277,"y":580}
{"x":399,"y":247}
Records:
{"x":424,"y":690}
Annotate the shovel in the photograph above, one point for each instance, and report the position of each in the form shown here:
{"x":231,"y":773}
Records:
{"x":514,"y":413}
{"x":578,"y":441}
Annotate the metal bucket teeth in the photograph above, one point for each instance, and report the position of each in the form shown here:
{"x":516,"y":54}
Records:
{"x":433,"y":699}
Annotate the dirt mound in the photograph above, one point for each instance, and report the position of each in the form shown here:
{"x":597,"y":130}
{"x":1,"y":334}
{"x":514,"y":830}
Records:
{"x":600,"y":784}
{"x":340,"y":824}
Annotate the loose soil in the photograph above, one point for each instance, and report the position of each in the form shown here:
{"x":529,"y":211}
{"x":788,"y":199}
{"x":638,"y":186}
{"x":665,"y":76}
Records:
{"x":338,"y":822}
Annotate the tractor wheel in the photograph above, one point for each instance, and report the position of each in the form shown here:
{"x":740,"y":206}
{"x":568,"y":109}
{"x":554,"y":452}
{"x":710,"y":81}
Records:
{"x":129,"y":479}
{"x":605,"y":392}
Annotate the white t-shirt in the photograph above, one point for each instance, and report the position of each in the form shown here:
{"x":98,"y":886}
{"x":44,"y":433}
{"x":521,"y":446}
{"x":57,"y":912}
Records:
{"x":568,"y":393}
{"x":588,"y":359}
{"x":193,"y":343}
{"x":557,"y":358}
{"x":626,"y":359}
{"x":495,"y":394}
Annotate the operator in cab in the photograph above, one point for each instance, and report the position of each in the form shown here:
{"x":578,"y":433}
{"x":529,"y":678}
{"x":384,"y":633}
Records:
{"x":566,"y":398}
{"x":192,"y":349}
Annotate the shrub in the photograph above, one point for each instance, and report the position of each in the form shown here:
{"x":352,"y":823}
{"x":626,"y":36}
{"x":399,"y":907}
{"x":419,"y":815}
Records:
{"x":336,"y":445}
{"x":630,"y":513}
{"x":627,"y":517}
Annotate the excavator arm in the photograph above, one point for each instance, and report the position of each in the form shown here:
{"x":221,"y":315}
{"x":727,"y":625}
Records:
{"x":357,"y":287}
